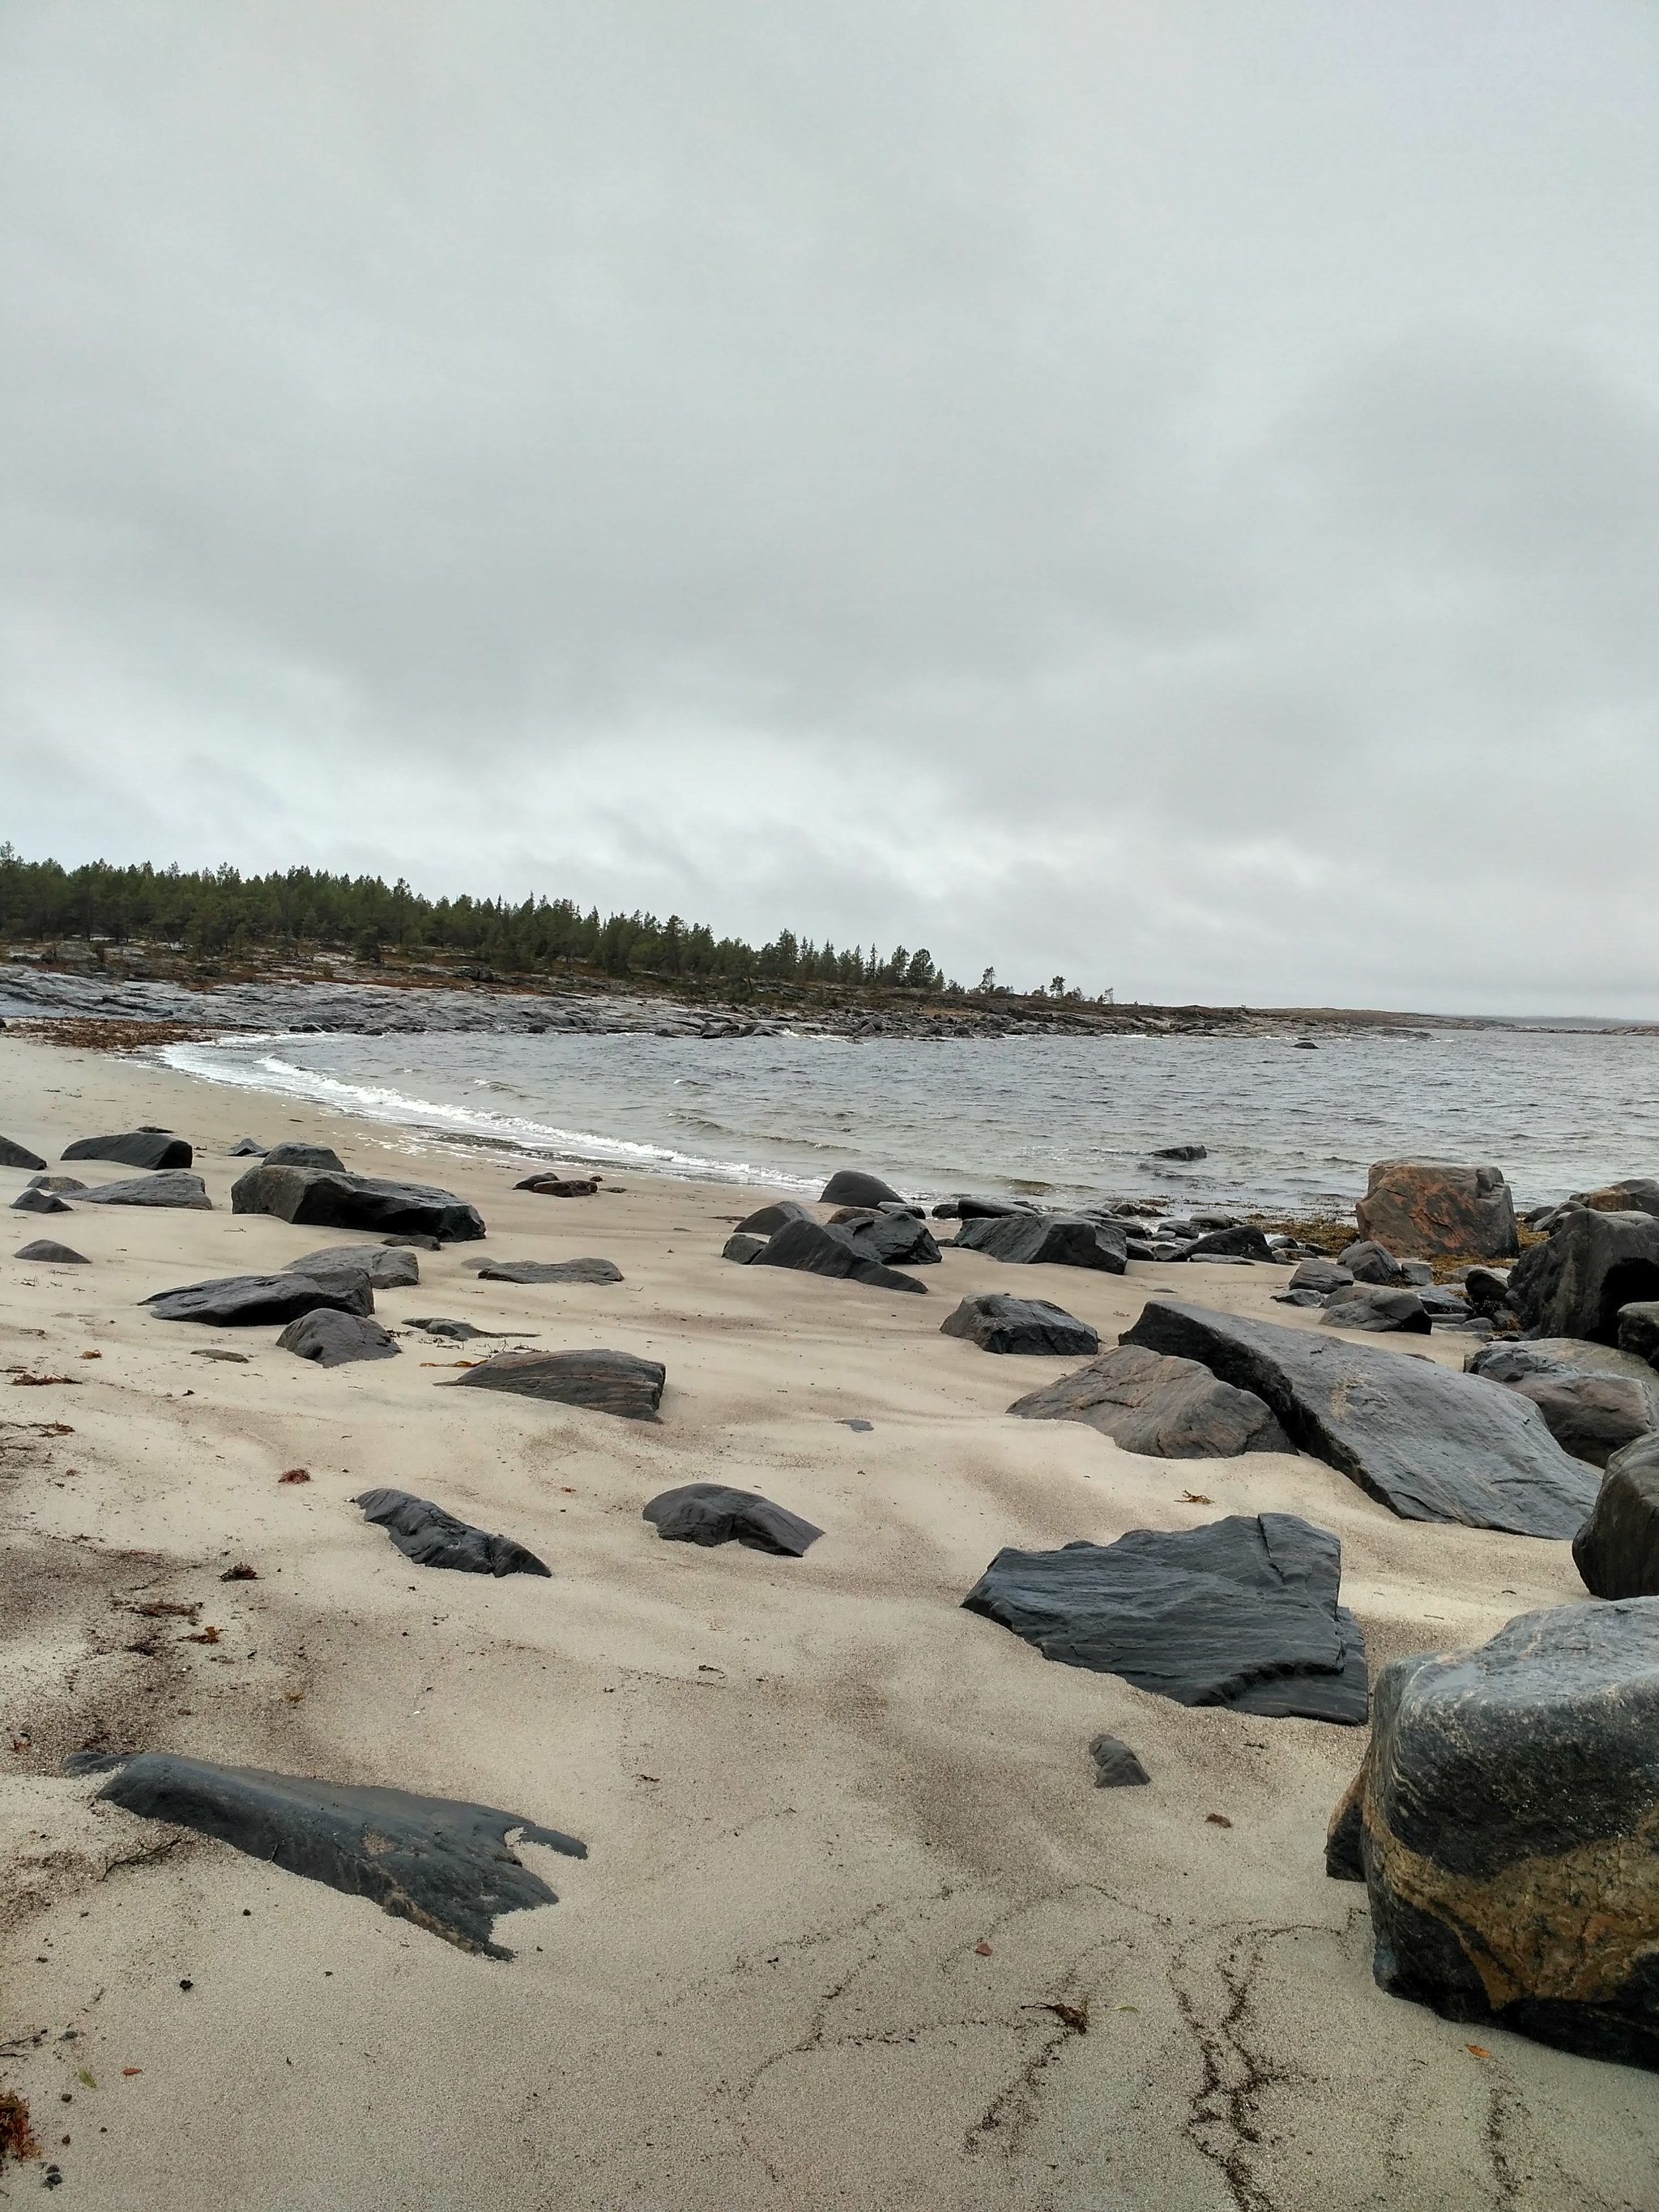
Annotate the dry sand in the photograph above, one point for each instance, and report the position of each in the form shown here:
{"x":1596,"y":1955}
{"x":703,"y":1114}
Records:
{"x":814,"y":1790}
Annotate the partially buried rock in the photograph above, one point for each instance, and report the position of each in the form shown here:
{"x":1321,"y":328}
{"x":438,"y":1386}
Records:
{"x":1160,"y":1407}
{"x":297,"y":1155}
{"x":439,"y":1861}
{"x":550,"y":1271}
{"x":815,"y":1249}
{"x":1430,"y":1445}
{"x":329,"y":1338}
{"x":892,"y":1237}
{"x":1368,"y":1262}
{"x":709,"y":1513}
{"x":1617,"y":1550}
{"x":430,"y":1537}
{"x":1241,"y":1613}
{"x":459,"y":1332}
{"x":412,"y":1240}
{"x":1510,"y":1803}
{"x":558,"y":1186}
{"x":742,"y":1248}
{"x":1439,"y":1207}
{"x":319,"y":1198}
{"x":1593,"y":1265}
{"x":1371,"y":1306}
{"x":1241,"y":1242}
{"x":136,"y":1148}
{"x":246,"y":1301}
{"x":1117,"y":1766}
{"x":1055,"y":1240}
{"x":608,"y":1381}
{"x":852,"y":1186}
{"x":38,"y":1201}
{"x":997,"y":1321}
{"x":51,"y":1255}
{"x":13,"y":1155}
{"x":174,"y":1188}
{"x":1595,"y":1400}
{"x":62,"y":1185}
{"x":247,"y":1148}
{"x":767,"y":1220}
{"x":388,"y":1267}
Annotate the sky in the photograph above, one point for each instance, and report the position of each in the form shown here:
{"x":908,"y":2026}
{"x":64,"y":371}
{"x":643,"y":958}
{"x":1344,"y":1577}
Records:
{"x":1157,"y":491}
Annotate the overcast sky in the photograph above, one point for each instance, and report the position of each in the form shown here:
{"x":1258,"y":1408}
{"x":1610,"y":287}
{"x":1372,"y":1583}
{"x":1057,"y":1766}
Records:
{"x":1167,"y":493}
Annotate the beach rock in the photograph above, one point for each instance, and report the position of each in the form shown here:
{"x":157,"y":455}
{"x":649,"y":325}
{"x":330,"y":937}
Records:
{"x":1617,"y":1550}
{"x":557,"y":1185}
{"x":1317,"y":1273}
{"x":1592,"y":1266}
{"x":606,"y":1381}
{"x":1344,"y":1859}
{"x":1486,"y":1290}
{"x":1436,"y":1208}
{"x":52,"y":1254}
{"x":817,"y":1250}
{"x":709,"y":1513}
{"x":1640,"y":1194}
{"x":61,"y":1186}
{"x":246,"y":1301}
{"x":1240,"y":1242}
{"x":1510,"y":1804}
{"x":136,"y":1148}
{"x":388,"y":1267}
{"x":38,"y":1201}
{"x":1594,"y":1400}
{"x":1160,"y":1407}
{"x":767,"y":1220}
{"x":459,"y":1332}
{"x":430,"y":1537}
{"x":1308,"y":1300}
{"x":1117,"y":1766}
{"x":1057,"y":1240}
{"x":970,"y":1208}
{"x":1370,"y":1306}
{"x":1241,"y":1613}
{"x":247,"y":1148}
{"x":945,"y":1210}
{"x":412,"y":1240}
{"x":1180,"y":1152}
{"x":329,"y":1338}
{"x":1638,"y":1331}
{"x":1368,"y":1263}
{"x":321,"y":1199}
{"x":1430,"y":1445}
{"x":297,"y":1155}
{"x":18,"y":1156}
{"x":892,"y":1237}
{"x":742,"y":1248}
{"x":998,"y":1322}
{"x":439,"y":1861}
{"x":550,"y":1271}
{"x":852,"y":1186}
{"x":173,"y":1188}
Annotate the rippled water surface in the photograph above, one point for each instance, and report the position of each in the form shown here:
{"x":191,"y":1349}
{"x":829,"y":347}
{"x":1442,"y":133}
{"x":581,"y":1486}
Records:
{"x":1063,"y":1117}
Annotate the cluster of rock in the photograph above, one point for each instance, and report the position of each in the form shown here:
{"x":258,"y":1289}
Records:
{"x":1119,"y":1234}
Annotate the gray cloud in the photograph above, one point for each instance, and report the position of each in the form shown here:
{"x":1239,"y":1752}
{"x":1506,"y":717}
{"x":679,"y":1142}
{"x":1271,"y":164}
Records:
{"x":1157,"y":494}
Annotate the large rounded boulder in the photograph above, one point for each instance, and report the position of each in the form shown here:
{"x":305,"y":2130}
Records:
{"x":1436,"y":1208}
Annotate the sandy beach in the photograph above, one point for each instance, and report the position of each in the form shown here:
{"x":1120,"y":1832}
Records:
{"x":850,"y":1887}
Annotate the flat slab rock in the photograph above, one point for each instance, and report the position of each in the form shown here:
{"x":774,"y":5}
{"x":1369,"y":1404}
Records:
{"x":134,"y":1148}
{"x":459,"y":1332}
{"x":52,"y":1254}
{"x":813,"y":1249}
{"x":1617,"y":1550}
{"x":550,"y":1271}
{"x":709,"y":1513}
{"x":608,"y":1381}
{"x":430,"y":1536}
{"x":13,"y":1155}
{"x":331,"y":1339}
{"x":1506,"y":1817}
{"x":1161,"y":1408}
{"x":246,"y":1301}
{"x":442,"y":1862}
{"x":558,"y":1186}
{"x":1052,"y":1240}
{"x":998,"y":1321}
{"x":319,"y":1198}
{"x":388,"y":1267}
{"x":1429,"y":1444}
{"x":172,"y":1187}
{"x":1242,"y":1613}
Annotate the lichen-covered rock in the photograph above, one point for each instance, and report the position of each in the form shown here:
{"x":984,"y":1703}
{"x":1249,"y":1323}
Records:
{"x":320,"y":1198}
{"x":1161,"y":1408}
{"x":997,"y":1321}
{"x":329,"y":1338}
{"x":710,"y":1513}
{"x":134,"y":1148}
{"x":1510,"y":1830}
{"x":1639,"y":1194}
{"x":607,"y":1381}
{"x":1045,"y":1240}
{"x":1593,"y":1265}
{"x":1617,"y":1550}
{"x":1436,"y":1207}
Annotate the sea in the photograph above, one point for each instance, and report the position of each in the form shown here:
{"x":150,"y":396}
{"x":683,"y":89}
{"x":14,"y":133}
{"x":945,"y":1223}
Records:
{"x":1059,"y":1119}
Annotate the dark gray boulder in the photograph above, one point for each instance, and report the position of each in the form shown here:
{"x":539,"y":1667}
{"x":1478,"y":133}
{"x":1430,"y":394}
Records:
{"x":1593,"y":1265}
{"x":550,"y":1271}
{"x":136,"y":1148}
{"x":1511,"y":1799}
{"x":1487,"y":1289}
{"x":1239,"y":1243}
{"x":1371,"y":1306}
{"x":1317,"y":1273}
{"x":38,"y":1201}
{"x":459,"y":1332}
{"x":816,"y":1249}
{"x":1057,"y":1240}
{"x":1639,"y":1330}
{"x":1595,"y":1400}
{"x":709,"y":1513}
{"x":388,"y":1267}
{"x":430,"y":1537}
{"x":61,"y":1186}
{"x":1308,"y":1300}
{"x":1180,"y":1152}
{"x":246,"y":1301}
{"x":605,"y":1382}
{"x":13,"y":1155}
{"x":1368,"y":1263}
{"x":321,"y":1199}
{"x":1160,"y":1407}
{"x":295,"y":1155}
{"x":440,"y":1862}
{"x":1117,"y":1766}
{"x":1636,"y":1195}
{"x":546,"y":1185}
{"x":1429,"y":1444}
{"x":52,"y":1254}
{"x":852,"y":1186}
{"x":894,"y":1237}
{"x":970,"y":1208}
{"x":998,"y":1322}
{"x":412,"y":1240}
{"x":767,"y":1220}
{"x":742,"y":1248}
{"x":172,"y":1187}
{"x":246,"y":1148}
{"x":1241,"y":1613}
{"x":1617,"y":1550}
{"x":329,"y":1338}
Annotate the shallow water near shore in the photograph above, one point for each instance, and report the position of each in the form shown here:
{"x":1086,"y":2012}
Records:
{"x":1063,"y":1119}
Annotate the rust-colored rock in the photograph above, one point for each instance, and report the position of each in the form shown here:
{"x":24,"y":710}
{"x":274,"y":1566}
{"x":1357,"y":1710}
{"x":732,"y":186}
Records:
{"x":1435,"y":1208}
